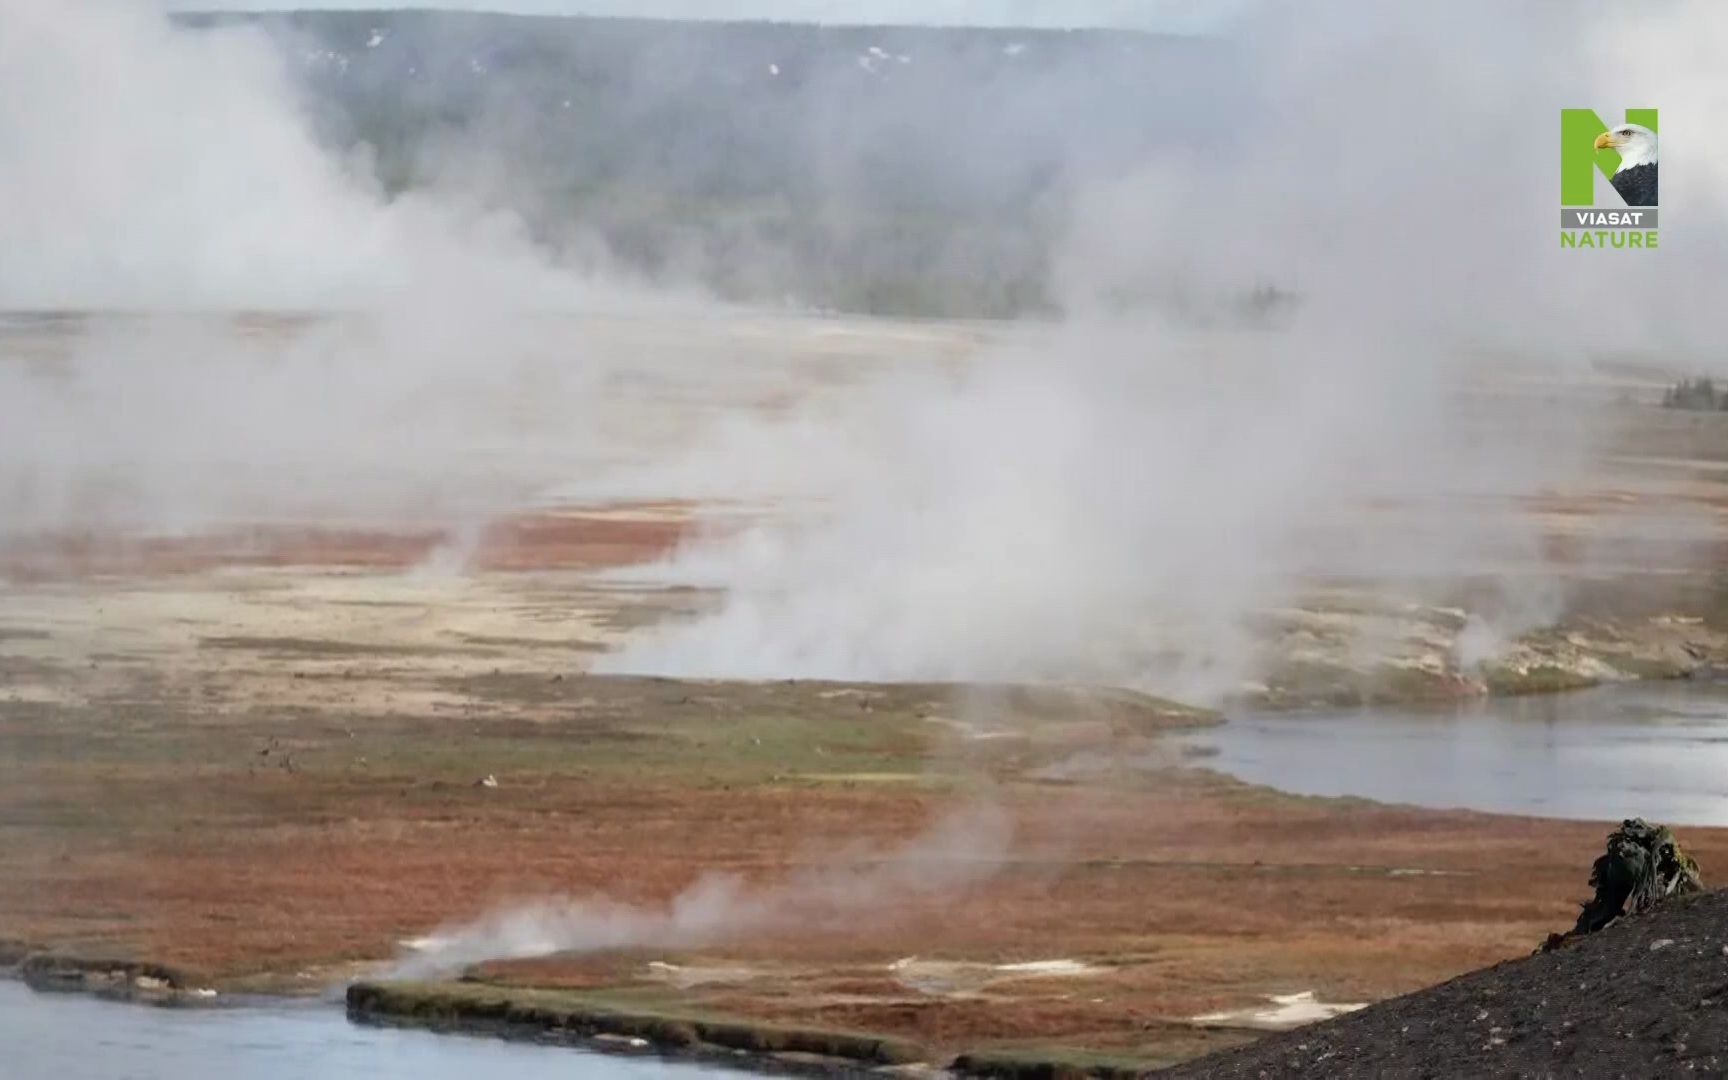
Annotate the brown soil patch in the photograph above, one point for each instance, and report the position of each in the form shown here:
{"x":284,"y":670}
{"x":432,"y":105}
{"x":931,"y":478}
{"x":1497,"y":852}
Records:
{"x":292,"y":845}
{"x":575,"y":539}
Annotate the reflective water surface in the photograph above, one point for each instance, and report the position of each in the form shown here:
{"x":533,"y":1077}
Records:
{"x":76,"y":1037}
{"x":1656,"y":750}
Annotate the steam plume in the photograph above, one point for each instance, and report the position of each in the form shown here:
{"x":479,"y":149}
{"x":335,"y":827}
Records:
{"x":960,"y":850}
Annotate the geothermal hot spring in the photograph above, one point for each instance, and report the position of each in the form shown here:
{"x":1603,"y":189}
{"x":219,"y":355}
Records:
{"x":250,"y":392}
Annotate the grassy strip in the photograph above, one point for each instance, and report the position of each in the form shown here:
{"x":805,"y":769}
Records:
{"x":460,"y":1004}
{"x":469,"y":1005}
{"x":50,"y":968}
{"x":1540,"y":679}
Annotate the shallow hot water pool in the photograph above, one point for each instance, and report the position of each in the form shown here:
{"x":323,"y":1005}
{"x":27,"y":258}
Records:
{"x":76,"y":1037}
{"x":1656,"y":750}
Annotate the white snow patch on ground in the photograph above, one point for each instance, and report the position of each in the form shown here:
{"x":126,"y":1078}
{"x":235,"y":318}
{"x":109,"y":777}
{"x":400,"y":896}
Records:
{"x":686,"y":977}
{"x":970,"y":730}
{"x":951,"y":978}
{"x":1286,"y":1011}
{"x":1053,"y":968}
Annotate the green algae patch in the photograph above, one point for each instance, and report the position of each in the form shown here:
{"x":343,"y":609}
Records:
{"x":1538,"y":679}
{"x":53,"y":971}
{"x":578,"y":1016}
{"x":1310,"y":683}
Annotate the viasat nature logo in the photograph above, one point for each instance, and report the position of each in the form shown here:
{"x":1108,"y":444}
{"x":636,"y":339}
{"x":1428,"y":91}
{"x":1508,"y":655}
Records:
{"x":1625,"y":155}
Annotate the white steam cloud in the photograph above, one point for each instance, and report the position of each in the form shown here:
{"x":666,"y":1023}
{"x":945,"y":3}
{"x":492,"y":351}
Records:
{"x":1106,"y":499}
{"x":960,"y":850}
{"x":143,"y":166}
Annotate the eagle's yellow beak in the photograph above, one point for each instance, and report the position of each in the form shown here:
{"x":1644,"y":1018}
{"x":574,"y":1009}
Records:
{"x":1606,"y":140}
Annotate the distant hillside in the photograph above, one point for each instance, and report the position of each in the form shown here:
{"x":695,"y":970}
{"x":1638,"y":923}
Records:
{"x":892,"y":169}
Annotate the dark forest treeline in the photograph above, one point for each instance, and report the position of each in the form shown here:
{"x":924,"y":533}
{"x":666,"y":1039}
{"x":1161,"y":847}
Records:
{"x":902,"y":170}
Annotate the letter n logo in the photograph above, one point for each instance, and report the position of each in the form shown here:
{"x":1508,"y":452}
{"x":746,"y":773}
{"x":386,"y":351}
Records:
{"x":1579,"y":158}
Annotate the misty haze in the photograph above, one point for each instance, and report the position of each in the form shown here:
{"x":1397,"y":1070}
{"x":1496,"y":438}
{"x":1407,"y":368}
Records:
{"x":751,"y":545}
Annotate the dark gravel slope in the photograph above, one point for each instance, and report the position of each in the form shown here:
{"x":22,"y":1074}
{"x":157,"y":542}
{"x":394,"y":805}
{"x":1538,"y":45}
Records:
{"x":1648,"y":997}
